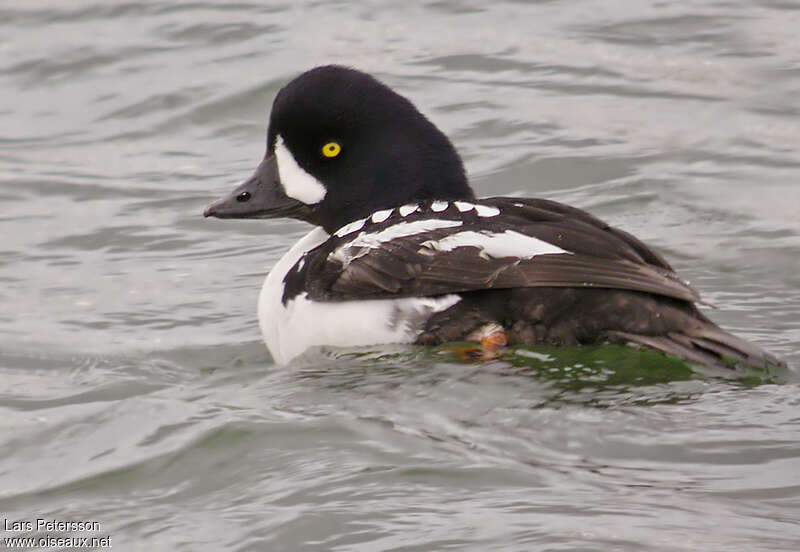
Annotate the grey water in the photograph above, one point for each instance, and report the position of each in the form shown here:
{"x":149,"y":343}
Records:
{"x":135,"y":391}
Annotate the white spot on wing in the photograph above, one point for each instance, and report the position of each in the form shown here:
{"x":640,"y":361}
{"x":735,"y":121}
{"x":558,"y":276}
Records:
{"x":502,"y":244}
{"x":380,"y":216}
{"x":365,"y":241}
{"x":406,"y":210}
{"x":438,"y":206}
{"x":297,"y":183}
{"x":350,"y":227}
{"x":487,"y":211}
{"x":463,"y":206}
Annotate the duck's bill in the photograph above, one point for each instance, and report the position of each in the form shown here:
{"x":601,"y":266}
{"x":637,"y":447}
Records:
{"x":261,"y":196}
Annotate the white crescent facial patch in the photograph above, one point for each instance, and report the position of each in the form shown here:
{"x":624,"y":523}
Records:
{"x":296,"y":182}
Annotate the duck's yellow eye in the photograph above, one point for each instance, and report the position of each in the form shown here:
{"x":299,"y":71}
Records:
{"x":331,"y":149}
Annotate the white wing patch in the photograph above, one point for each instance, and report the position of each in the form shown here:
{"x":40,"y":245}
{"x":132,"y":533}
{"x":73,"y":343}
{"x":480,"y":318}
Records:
{"x":297,"y":183}
{"x":350,"y":227}
{"x":380,"y":216}
{"x":502,"y":244}
{"x":487,"y":211}
{"x":406,"y":210}
{"x":365,"y":241}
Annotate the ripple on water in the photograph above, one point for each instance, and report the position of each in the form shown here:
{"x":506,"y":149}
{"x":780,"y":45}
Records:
{"x":134,"y":386}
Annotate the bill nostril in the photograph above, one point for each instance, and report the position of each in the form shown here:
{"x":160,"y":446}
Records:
{"x":242,"y":197}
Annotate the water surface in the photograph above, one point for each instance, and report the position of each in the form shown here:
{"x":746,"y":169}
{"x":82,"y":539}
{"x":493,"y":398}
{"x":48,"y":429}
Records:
{"x":134,"y":387}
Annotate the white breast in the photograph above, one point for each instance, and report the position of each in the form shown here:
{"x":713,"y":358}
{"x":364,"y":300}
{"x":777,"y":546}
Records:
{"x":290,"y":329}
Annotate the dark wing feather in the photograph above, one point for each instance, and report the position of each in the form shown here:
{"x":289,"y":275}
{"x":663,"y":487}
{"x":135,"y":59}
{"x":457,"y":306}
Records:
{"x":535,"y":209}
{"x":464,"y":269}
{"x":600,"y":256}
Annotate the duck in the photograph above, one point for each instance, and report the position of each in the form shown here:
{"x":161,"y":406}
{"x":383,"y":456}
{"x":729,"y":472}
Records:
{"x":402,"y":251}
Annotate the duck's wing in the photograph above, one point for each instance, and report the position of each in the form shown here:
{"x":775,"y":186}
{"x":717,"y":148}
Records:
{"x":494,"y":243}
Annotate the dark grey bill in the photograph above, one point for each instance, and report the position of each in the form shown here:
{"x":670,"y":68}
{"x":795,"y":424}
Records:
{"x":261,"y":196}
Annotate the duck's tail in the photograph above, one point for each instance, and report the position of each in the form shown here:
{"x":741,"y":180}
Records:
{"x":708,"y":344}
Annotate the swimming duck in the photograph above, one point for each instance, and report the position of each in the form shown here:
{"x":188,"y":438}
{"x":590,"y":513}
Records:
{"x":403,"y":252}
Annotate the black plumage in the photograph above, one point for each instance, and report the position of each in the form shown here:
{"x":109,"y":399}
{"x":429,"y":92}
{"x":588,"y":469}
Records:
{"x":609,"y":287}
{"x":598,"y":256}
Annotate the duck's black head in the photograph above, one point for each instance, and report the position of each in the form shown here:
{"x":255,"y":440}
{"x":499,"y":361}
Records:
{"x":340,"y":146}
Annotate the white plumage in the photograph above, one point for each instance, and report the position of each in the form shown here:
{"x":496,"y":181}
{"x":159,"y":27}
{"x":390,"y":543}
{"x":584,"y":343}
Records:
{"x":301,"y":323}
{"x":497,"y":244}
{"x":297,"y":183}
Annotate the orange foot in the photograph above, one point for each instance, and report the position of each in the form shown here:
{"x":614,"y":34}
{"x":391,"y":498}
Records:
{"x":491,"y":339}
{"x":493,"y":342}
